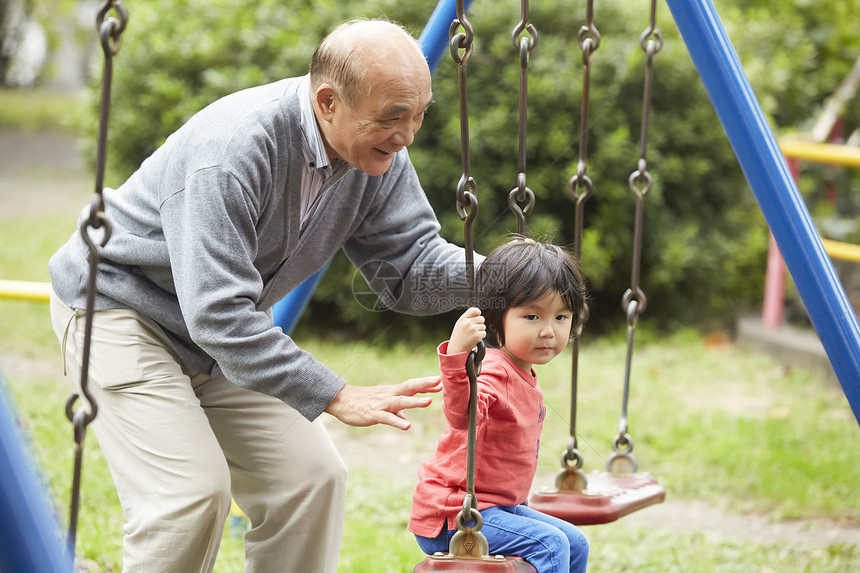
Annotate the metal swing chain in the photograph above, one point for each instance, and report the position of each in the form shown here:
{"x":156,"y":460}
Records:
{"x":110,"y":30}
{"x":634,"y":301}
{"x":468,"y":541}
{"x":525,"y":44}
{"x":467,"y":200}
{"x":580,"y":188}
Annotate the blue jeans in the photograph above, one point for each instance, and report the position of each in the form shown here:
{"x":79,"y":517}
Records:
{"x":548,"y":543}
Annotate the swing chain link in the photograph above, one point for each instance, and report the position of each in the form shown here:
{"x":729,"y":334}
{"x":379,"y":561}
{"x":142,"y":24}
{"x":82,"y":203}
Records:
{"x":110,"y":30}
{"x":572,"y":454}
{"x":467,"y":189}
{"x":580,"y":188}
{"x":470,"y":514}
{"x":521,"y":193}
{"x":588,"y":36}
{"x":468,"y":542}
{"x":571,"y":478}
{"x":467,"y":203}
{"x":524,"y":26}
{"x":468,"y":538}
{"x":461,"y":44}
{"x":651,"y":33}
{"x":589,"y":40}
{"x":580,"y":185}
{"x":634,"y":301}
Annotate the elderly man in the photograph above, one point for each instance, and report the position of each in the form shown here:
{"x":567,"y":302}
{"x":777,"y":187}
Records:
{"x":200,"y":396}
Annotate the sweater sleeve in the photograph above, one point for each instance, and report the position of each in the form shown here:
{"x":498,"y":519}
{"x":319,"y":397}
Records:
{"x":455,"y":389}
{"x":209,"y":227}
{"x":399,"y":250}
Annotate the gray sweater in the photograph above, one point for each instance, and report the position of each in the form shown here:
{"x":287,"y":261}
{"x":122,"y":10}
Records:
{"x":206,"y":238}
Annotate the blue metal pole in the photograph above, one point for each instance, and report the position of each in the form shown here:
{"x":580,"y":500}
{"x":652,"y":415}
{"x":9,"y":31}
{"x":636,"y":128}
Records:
{"x":31,"y":539}
{"x":434,"y":38}
{"x":777,"y":194}
{"x":434,"y":42}
{"x":287,"y":311}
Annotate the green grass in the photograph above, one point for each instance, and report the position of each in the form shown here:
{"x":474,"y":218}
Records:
{"x":27,"y":329}
{"x":718,"y":424}
{"x":32,"y":110}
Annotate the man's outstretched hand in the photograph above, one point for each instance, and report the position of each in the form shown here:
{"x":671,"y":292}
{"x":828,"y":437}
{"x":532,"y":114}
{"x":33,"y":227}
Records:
{"x":383,"y":404}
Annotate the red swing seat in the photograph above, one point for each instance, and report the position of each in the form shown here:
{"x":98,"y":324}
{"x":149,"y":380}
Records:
{"x":607,"y":498}
{"x":445,"y":562}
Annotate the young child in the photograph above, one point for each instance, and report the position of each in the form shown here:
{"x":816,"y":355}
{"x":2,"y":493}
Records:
{"x":532,"y":299}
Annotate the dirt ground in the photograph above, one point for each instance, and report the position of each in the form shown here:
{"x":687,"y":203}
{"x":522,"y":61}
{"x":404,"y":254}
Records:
{"x":42,"y":172}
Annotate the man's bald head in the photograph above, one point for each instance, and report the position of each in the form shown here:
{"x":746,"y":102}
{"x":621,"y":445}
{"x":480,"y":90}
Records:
{"x":365,"y":50}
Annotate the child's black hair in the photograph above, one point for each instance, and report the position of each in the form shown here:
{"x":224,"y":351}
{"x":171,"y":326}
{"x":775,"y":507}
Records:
{"x":522,"y":271}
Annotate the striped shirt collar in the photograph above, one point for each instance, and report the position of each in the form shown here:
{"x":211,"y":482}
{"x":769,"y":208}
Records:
{"x":312,"y":142}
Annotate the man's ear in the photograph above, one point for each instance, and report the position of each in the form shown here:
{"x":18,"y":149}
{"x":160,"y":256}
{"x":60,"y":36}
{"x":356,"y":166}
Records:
{"x":324,"y":100}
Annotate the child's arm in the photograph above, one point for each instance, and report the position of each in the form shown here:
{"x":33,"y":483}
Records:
{"x":468,"y":331}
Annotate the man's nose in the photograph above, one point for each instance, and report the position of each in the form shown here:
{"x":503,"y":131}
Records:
{"x":404,"y":136}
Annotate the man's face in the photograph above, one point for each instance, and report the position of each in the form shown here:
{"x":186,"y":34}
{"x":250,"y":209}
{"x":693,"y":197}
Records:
{"x":369,"y":133}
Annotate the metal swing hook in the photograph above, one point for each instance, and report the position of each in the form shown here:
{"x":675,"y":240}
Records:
{"x":469,"y":541}
{"x":110,"y":28}
{"x":461,"y":42}
{"x":521,"y":193}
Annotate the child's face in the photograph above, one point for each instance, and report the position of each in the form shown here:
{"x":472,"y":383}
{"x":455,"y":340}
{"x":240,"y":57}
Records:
{"x":538,"y":331}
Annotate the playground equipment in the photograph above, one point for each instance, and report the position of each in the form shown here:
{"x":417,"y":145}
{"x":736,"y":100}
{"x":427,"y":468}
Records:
{"x":770,"y":178}
{"x":795,"y":151}
{"x":814,"y":147}
{"x":766,"y":171}
{"x":25,"y":290}
{"x":111,"y":20}
{"x":31,"y":540}
{"x":607,"y":496}
{"x":620,"y":491}
{"x":468,"y":549}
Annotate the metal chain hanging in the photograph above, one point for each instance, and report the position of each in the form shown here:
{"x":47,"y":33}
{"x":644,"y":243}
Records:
{"x":522,"y":194}
{"x":110,"y":29}
{"x":468,"y":541}
{"x":467,"y":200}
{"x":571,"y":477}
{"x":607,"y":496}
{"x":634,"y":301}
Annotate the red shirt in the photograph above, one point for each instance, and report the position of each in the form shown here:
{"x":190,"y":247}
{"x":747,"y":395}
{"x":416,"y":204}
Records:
{"x":509,"y":422}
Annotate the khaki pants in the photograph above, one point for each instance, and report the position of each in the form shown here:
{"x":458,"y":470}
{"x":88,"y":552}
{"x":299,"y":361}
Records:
{"x":179,"y":444}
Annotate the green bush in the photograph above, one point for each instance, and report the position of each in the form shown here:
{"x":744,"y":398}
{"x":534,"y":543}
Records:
{"x":704,"y":237}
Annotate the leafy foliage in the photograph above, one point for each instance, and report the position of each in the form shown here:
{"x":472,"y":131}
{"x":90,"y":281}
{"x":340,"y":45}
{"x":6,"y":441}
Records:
{"x":704,"y":238}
